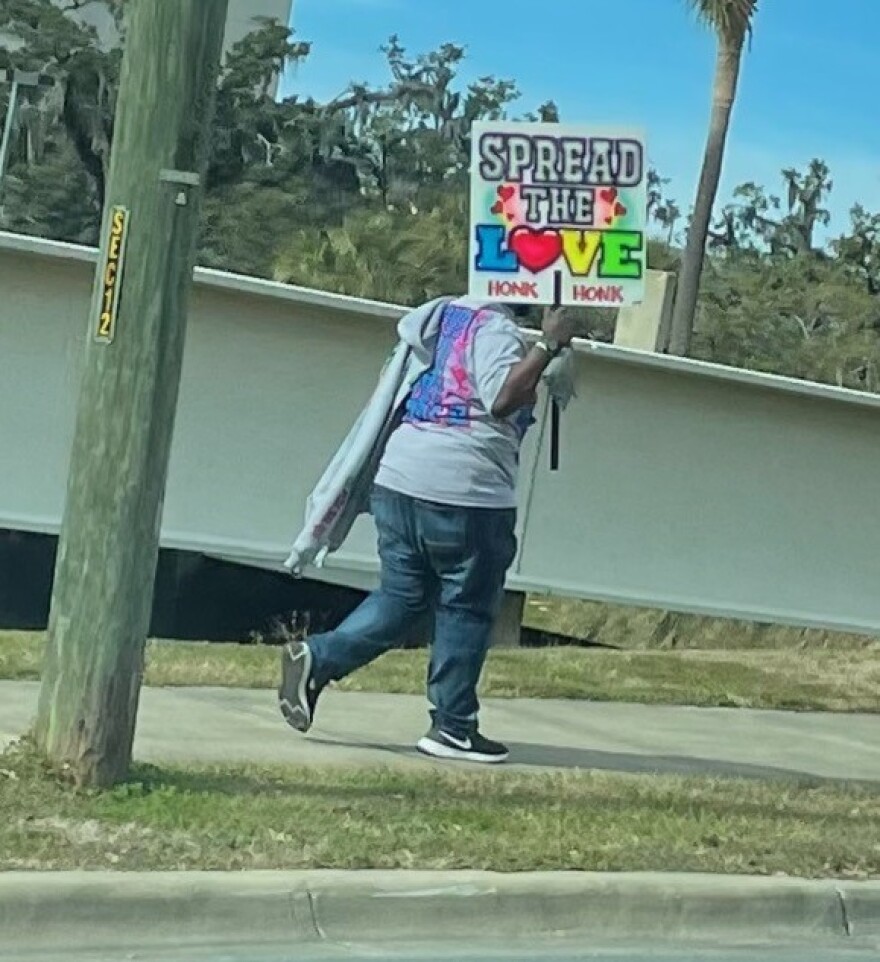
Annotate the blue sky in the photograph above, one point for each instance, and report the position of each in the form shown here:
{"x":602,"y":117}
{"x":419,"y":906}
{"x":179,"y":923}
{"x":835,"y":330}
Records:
{"x":808,"y":86}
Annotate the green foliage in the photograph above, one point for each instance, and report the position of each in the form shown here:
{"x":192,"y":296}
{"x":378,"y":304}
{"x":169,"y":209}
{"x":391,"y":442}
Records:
{"x":774,"y":300}
{"x":399,"y":255}
{"x":801,"y":317}
{"x":859,"y":251}
{"x":42,"y":37}
{"x":52,"y":198}
{"x":366,"y":193}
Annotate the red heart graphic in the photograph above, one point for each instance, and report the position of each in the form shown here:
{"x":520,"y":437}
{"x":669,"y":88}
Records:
{"x":497,"y":208}
{"x":609,"y":195}
{"x":608,"y":220}
{"x":619,"y":210}
{"x":536,"y":249}
{"x":505,"y":193}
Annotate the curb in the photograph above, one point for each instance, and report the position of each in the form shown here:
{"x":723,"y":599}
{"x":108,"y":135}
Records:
{"x":120,"y":910}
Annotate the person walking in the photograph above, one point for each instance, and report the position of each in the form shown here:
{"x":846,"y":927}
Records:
{"x":444,"y":504}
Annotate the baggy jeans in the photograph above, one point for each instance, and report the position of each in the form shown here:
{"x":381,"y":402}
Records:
{"x":436,"y":560}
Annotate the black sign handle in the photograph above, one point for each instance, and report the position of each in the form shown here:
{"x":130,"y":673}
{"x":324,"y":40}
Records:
{"x":554,"y":407}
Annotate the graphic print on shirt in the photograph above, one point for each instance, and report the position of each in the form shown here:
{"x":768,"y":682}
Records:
{"x":444,"y":394}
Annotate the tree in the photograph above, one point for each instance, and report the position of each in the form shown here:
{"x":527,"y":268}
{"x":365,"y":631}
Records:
{"x":276,"y":168}
{"x":668,"y":214}
{"x":46,"y":39}
{"x":405,"y":256}
{"x":784,"y":227}
{"x":403,"y":237}
{"x":732,"y":22}
{"x":859,"y":251}
{"x":366,"y":193}
{"x":52,"y":197}
{"x":655,"y":191}
{"x":53,"y":185}
{"x":419,"y":141}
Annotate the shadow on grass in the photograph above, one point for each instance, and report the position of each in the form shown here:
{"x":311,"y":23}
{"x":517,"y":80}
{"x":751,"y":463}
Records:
{"x":539,"y":638}
{"x":329,"y":784}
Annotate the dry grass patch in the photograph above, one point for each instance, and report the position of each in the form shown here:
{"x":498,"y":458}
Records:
{"x":250,"y":817}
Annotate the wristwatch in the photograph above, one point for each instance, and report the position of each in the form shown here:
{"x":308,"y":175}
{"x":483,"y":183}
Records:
{"x":548,"y":346}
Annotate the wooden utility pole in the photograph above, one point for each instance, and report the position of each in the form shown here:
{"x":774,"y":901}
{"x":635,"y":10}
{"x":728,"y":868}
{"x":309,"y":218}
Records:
{"x":108,"y":549}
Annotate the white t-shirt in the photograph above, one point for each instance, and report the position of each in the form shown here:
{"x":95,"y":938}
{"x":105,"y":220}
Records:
{"x":449,"y":448}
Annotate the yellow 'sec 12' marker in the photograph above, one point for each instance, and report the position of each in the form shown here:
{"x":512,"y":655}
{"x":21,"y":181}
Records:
{"x":111,"y":275}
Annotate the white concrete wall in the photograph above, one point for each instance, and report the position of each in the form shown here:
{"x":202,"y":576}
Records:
{"x":681,"y":484}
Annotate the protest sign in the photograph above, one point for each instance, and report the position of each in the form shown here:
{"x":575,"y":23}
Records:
{"x":557,"y":214}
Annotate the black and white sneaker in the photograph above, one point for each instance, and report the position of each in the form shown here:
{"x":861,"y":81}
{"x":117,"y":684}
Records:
{"x":298,"y":693}
{"x":473,"y":748}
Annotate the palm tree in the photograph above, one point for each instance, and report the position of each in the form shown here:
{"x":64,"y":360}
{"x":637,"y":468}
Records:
{"x":668,"y":214}
{"x":732,"y":22}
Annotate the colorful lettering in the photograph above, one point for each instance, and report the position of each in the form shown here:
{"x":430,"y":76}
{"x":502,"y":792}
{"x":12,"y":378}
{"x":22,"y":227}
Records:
{"x":492,"y":253}
{"x":617,"y":261}
{"x":557,"y":211}
{"x":580,"y":248}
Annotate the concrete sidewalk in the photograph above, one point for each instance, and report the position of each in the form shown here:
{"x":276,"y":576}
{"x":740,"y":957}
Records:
{"x":234,"y":725}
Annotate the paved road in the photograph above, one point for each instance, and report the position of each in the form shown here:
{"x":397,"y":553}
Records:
{"x":512,"y":953}
{"x":217,"y":725}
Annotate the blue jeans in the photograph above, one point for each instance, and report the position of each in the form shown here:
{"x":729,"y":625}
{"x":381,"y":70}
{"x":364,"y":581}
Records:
{"x":439,"y":560}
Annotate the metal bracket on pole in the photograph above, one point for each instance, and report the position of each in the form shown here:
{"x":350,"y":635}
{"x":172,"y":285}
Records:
{"x":180,"y":178}
{"x":188,"y":177}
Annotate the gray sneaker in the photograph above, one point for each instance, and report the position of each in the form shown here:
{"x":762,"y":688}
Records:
{"x":471,"y":748}
{"x":298,"y":693}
